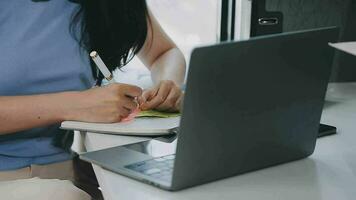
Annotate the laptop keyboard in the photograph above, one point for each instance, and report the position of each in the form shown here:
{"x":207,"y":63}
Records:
{"x":159,"y":168}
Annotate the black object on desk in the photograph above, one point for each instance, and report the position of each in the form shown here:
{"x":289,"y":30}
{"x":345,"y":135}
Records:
{"x":326,"y":130}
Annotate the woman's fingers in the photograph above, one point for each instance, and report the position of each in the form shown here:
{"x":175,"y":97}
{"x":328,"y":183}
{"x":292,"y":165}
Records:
{"x":141,"y":100}
{"x":124,"y":112}
{"x":146,"y":96}
{"x":165,"y":97}
{"x":178,"y":105}
{"x":129,"y":103}
{"x":159,"y":98}
{"x":171,"y":100}
{"x":130,"y":90}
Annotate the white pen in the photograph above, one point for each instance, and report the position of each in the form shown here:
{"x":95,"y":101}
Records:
{"x":102,"y":67}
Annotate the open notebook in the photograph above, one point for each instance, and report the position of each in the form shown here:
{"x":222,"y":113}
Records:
{"x":147,"y":124}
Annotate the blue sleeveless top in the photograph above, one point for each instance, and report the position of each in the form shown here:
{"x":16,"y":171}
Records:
{"x":38,"y":55}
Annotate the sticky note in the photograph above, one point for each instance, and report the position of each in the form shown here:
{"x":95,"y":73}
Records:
{"x":158,"y":114}
{"x":149,"y":113}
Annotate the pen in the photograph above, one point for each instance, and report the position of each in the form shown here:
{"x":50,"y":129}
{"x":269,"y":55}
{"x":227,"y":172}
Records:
{"x":102,"y":67}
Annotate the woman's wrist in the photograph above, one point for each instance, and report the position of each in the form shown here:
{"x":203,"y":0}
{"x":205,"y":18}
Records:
{"x":71,"y":102}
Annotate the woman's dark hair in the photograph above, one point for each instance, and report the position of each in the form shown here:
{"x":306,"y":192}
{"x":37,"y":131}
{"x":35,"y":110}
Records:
{"x":117,"y":29}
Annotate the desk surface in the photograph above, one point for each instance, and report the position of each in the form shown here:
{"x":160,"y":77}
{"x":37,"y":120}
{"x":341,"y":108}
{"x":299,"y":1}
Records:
{"x":330,"y":173}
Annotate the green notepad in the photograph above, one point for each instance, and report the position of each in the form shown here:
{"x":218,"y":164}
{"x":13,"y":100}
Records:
{"x":158,"y":114}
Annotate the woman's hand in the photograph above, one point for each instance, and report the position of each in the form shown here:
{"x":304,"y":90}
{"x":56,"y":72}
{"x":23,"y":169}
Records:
{"x":166,"y":96}
{"x":106,"y":104}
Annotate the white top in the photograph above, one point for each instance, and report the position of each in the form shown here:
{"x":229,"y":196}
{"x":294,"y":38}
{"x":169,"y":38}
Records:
{"x":330,"y":173}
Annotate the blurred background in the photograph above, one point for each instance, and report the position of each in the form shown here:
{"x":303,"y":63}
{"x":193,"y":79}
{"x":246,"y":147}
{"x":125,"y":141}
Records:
{"x":192,"y":23}
{"x":189,"y":23}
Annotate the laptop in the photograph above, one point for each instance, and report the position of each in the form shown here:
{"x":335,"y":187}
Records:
{"x":248,"y":105}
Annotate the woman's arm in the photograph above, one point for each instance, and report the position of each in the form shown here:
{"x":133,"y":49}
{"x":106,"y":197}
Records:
{"x":167,"y":65}
{"x":24,"y":112}
{"x":105,"y":104}
{"x":161,"y":56}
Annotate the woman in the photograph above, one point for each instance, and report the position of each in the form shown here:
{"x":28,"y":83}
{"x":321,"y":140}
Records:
{"x":46,"y":77}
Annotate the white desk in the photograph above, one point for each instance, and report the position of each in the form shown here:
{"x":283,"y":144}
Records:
{"x":330,"y":173}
